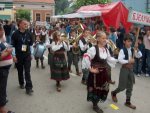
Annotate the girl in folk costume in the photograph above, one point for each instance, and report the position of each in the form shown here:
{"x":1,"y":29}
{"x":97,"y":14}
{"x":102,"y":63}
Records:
{"x":72,"y":57}
{"x":96,"y":60}
{"x":44,"y":34}
{"x":37,"y":31}
{"x":59,"y":70}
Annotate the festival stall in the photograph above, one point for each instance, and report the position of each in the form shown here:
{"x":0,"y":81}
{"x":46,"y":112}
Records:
{"x":112,"y":13}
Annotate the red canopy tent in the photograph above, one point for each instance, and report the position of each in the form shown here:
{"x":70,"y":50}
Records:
{"x":112,"y":13}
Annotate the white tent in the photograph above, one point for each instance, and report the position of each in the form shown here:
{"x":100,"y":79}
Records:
{"x":82,"y":14}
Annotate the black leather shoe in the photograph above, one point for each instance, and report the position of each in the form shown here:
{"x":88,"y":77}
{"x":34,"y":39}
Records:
{"x":29,"y":91}
{"x":22,"y":87}
{"x":97,"y":109}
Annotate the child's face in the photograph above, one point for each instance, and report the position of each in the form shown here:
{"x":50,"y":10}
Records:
{"x":86,"y":33}
{"x":102,"y":40}
{"x":128,"y":43}
{"x":73,"y":34}
{"x":139,"y":41}
{"x":1,"y":33}
{"x":38,"y":38}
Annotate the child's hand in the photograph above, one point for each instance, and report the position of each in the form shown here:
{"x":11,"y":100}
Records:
{"x":9,"y":50}
{"x":15,"y":59}
{"x":131,"y":61}
{"x":94,"y":70}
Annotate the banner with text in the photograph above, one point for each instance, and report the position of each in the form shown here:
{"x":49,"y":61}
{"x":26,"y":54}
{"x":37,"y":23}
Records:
{"x":139,"y":17}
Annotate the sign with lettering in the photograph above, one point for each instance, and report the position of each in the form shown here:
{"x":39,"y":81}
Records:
{"x":40,"y":23}
{"x":139,"y":18}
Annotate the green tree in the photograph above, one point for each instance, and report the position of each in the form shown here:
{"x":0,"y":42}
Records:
{"x":23,"y":13}
{"x":80,"y":3}
{"x":60,"y":6}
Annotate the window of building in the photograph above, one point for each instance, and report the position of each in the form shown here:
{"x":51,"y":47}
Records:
{"x":22,"y":5}
{"x":38,"y":17}
{"x":47,"y":17}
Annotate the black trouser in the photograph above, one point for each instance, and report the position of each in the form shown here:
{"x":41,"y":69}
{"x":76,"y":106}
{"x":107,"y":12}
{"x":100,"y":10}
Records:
{"x":23,"y":66}
{"x":3,"y":85}
{"x":73,"y":58}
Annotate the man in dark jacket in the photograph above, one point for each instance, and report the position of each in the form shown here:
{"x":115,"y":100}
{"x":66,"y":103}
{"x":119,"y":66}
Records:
{"x":22,"y":54}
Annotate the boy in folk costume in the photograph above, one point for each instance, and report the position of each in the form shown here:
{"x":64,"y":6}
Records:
{"x":59,"y":70}
{"x":71,"y":56}
{"x":126,"y":79}
{"x":84,"y":45}
{"x":95,"y":60}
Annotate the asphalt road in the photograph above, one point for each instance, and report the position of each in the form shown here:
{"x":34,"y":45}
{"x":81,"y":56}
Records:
{"x":72,"y":98}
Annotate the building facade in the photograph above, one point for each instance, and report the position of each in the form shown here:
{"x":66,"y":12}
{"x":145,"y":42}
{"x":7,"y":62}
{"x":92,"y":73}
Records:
{"x":6,"y":9}
{"x":138,"y":5}
{"x":41,"y":10}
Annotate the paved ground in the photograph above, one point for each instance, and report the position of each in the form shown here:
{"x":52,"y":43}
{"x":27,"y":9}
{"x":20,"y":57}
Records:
{"x":72,"y":99}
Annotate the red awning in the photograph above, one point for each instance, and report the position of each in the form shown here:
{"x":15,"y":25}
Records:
{"x":112,"y":13}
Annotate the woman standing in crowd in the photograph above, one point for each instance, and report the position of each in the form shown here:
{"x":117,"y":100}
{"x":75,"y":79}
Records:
{"x":113,"y":35}
{"x":95,"y":60}
{"x":5,"y":64}
{"x":59,"y":70}
{"x":139,"y":60}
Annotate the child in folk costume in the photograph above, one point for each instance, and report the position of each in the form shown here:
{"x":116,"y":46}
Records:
{"x":95,"y":60}
{"x":73,"y":57}
{"x":84,"y":44}
{"x":37,"y":58}
{"x":59,"y":70}
{"x":126,"y":78}
{"x":44,"y":34}
{"x":37,"y":31}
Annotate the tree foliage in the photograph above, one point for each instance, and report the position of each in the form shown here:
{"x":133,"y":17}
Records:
{"x":60,"y":6}
{"x":80,"y":3}
{"x":23,"y":13}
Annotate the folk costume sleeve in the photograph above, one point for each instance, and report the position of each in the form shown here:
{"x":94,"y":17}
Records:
{"x":55,"y":46}
{"x":66,"y":47}
{"x":82,"y":46}
{"x":138,"y":54}
{"x":121,"y":57}
{"x":47,"y":43}
{"x":111,"y":60}
{"x":87,"y":57}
